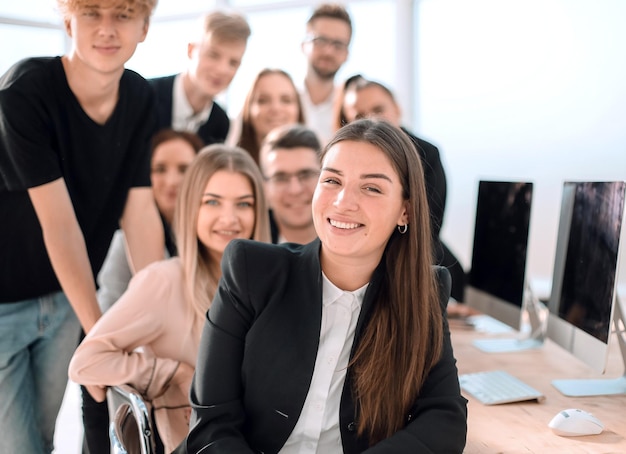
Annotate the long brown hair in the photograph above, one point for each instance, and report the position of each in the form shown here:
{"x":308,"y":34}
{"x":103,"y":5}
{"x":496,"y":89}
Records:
{"x":248,"y":139}
{"x":200,"y":280}
{"x":403,"y":338}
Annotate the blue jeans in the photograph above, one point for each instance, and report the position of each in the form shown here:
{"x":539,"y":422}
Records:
{"x":37,"y":340}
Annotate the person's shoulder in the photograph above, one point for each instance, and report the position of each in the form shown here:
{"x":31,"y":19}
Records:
{"x":162,"y":80}
{"x":267,"y":254}
{"x":251,"y":248}
{"x":29,"y":70}
{"x":162,"y":272}
{"x":219,"y":111}
{"x":169,"y":266}
{"x":136,"y":90}
{"x":162,"y":280}
{"x":422,"y":144}
{"x":134,"y":79}
{"x":264,"y":268}
{"x":35,"y":63}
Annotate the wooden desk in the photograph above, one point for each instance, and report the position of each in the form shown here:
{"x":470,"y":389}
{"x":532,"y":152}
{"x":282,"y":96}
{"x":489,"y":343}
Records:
{"x":523,"y":427}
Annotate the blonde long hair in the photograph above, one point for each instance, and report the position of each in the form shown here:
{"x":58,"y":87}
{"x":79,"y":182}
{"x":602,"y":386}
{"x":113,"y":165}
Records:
{"x":198,"y":269}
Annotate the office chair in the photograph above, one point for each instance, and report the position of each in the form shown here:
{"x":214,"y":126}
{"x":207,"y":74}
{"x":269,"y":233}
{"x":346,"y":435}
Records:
{"x":130,"y":428}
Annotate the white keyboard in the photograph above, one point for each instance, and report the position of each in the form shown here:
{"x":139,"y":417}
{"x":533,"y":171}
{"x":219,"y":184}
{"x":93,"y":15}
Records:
{"x":498,"y":387}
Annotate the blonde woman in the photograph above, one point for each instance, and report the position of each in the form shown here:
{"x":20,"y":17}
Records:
{"x":272,"y":101}
{"x":164,"y":308}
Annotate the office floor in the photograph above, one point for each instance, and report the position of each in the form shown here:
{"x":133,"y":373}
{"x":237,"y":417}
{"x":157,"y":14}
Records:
{"x":68,"y":436}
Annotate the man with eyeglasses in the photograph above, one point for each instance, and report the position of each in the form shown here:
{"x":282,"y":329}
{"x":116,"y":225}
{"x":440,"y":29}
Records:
{"x":328,"y":34}
{"x":289,"y":161}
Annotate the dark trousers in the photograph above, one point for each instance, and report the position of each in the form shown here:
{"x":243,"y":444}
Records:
{"x":95,"y":425}
{"x":95,"y":422}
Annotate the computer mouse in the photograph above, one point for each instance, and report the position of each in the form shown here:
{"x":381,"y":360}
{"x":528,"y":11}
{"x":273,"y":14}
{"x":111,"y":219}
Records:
{"x":574,"y":422}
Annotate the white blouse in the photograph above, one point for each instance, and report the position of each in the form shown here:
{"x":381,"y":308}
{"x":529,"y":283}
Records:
{"x":183,"y":117}
{"x":317,"y":429}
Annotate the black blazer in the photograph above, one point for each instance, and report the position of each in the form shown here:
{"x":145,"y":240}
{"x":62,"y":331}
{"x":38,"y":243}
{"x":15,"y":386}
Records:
{"x":436,"y":191}
{"x":214,"y":130}
{"x":258,"y":350}
{"x":434,"y":178}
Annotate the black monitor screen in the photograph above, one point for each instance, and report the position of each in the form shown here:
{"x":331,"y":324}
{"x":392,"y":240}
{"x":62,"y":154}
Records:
{"x":591,"y":261}
{"x":501,"y":239}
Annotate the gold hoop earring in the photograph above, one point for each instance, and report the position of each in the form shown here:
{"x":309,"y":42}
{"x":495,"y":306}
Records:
{"x":403,"y":228}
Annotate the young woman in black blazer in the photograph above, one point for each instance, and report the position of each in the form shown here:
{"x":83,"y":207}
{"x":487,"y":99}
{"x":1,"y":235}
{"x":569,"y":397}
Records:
{"x":340,"y":345}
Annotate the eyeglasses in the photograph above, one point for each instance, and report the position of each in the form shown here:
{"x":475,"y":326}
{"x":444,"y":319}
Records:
{"x":322,"y":41}
{"x":305,"y":177}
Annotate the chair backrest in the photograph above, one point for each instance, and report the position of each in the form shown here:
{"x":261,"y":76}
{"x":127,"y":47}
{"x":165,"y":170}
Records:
{"x":130,"y":426}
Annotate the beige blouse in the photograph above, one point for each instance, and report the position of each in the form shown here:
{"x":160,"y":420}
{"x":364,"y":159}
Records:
{"x":140,"y":341}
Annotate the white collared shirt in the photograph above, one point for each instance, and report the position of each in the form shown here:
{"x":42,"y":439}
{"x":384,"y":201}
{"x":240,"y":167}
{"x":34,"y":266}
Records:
{"x":317,"y":429}
{"x":183,"y":118}
{"x":319,"y":117}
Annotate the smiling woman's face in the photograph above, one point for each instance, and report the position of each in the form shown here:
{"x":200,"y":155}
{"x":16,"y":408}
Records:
{"x":170,"y":160}
{"x":274,"y":103}
{"x":357,"y":203}
{"x":227,"y":211}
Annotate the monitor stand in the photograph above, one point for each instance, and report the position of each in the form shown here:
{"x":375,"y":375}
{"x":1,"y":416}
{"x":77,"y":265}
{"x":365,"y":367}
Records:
{"x":600,"y":386}
{"x":532,"y":332}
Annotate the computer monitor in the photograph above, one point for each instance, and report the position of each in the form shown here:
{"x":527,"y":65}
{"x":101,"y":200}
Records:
{"x":582,"y":302}
{"x":496,"y":281}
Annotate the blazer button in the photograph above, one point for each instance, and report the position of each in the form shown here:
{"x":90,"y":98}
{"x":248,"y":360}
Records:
{"x":352,"y":427}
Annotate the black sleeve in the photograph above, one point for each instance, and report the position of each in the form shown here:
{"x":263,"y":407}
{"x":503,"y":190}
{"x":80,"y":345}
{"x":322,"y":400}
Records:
{"x":27,"y":157}
{"x":143,"y":134}
{"x":216,"y":392}
{"x":436,"y":186}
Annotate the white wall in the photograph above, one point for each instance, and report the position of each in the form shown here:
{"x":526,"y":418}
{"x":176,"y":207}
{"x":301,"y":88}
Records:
{"x":276,"y":42}
{"x":524,"y":90}
{"x":508,"y":89}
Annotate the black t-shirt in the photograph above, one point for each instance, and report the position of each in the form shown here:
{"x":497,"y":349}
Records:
{"x":45,"y":135}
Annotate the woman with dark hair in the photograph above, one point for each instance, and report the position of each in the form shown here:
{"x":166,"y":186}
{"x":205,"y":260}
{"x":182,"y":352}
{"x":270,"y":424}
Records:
{"x":340,"y":345}
{"x":172,"y":152}
{"x":363,"y":98}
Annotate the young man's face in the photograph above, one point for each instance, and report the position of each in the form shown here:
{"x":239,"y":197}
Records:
{"x":326,"y":46}
{"x":291,"y":178}
{"x":105,"y":37}
{"x":213,"y":63}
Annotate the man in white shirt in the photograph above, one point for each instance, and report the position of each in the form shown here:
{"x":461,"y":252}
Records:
{"x":328,"y":34}
{"x":186,"y":100}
